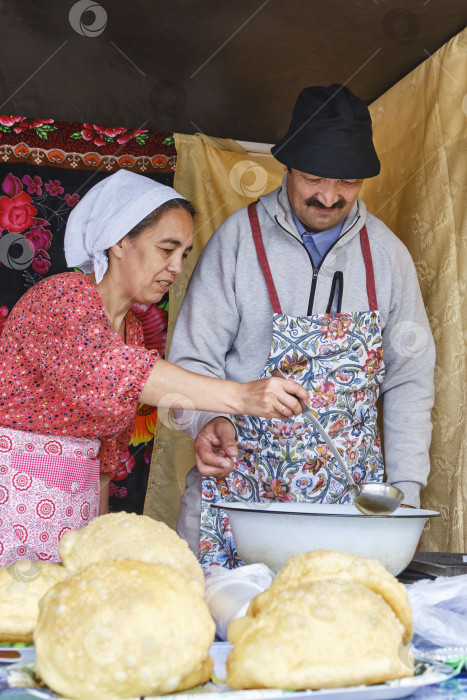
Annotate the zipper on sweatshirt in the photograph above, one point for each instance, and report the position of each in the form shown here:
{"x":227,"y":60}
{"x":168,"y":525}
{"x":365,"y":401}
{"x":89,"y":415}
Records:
{"x":315,"y":273}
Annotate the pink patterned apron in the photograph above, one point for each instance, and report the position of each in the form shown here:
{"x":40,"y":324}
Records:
{"x":48,"y":485}
{"x":338,"y":357}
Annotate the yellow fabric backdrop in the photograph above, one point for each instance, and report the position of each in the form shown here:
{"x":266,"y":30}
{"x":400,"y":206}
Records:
{"x":419,"y":128}
{"x":420,"y":136}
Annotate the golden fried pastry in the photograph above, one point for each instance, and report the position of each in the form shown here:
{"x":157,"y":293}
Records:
{"x":127,"y":535}
{"x":202,"y":674}
{"x":120,"y":629}
{"x":320,"y":563}
{"x":320,"y":634}
{"x":22,"y":585}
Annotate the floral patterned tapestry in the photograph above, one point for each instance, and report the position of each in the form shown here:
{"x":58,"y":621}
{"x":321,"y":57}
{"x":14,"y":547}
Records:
{"x":46,"y":166}
{"x":85,"y":146}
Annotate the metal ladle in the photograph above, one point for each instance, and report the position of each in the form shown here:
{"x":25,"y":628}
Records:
{"x":368,"y":498}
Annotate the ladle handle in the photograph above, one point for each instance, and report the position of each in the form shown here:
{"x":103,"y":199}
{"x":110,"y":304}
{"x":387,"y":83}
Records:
{"x":309,"y":416}
{"x":325,"y":437}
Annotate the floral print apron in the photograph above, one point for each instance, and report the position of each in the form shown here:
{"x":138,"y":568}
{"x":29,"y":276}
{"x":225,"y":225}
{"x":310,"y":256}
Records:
{"x":338,"y":357}
{"x":48,"y":485}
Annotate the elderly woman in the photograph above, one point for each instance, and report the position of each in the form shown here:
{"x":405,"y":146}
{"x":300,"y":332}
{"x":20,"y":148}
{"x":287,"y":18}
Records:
{"x":73,"y":366}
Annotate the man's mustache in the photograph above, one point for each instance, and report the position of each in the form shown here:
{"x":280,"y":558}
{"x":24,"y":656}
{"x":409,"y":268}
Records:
{"x":313,"y":202}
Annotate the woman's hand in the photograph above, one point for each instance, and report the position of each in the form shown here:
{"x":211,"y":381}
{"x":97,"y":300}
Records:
{"x":271,"y":398}
{"x":170,"y":386}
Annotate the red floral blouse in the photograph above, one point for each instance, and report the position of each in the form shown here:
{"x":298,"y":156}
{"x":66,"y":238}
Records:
{"x":64,"y":371}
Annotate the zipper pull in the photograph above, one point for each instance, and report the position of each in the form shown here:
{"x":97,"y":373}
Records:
{"x":315,"y":272}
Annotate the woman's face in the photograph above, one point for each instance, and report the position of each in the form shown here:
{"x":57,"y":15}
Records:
{"x":149,"y":263}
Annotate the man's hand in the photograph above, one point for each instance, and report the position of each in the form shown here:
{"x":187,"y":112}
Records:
{"x":215,"y":448}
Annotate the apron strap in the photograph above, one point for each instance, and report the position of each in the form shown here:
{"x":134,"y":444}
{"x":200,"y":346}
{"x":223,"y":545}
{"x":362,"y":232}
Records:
{"x":262,"y":258}
{"x":370,"y":275}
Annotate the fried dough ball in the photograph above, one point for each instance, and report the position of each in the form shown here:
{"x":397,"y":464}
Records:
{"x":127,"y":535}
{"x":22,"y":585}
{"x":320,"y":563}
{"x":319,"y":634}
{"x":121,"y":629}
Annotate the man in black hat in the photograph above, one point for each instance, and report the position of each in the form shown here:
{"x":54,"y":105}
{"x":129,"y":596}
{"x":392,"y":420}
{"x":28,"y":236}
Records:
{"x":330,"y":133}
{"x":307,"y":281}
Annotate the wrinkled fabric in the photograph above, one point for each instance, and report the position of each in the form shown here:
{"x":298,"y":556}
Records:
{"x":420,"y":194}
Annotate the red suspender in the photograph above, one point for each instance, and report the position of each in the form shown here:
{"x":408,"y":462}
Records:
{"x":262,"y":259}
{"x":370,"y":275}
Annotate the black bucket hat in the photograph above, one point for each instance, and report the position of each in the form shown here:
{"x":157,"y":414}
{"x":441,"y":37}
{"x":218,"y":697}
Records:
{"x":330,"y":135}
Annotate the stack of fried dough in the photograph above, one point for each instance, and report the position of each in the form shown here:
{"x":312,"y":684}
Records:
{"x":329,"y":619}
{"x":126,"y":616}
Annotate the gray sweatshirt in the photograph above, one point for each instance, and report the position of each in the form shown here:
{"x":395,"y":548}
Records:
{"x":224,"y":328}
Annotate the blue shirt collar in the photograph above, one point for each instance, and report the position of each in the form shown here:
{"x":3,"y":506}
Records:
{"x":318,"y":244}
{"x":331,"y":233}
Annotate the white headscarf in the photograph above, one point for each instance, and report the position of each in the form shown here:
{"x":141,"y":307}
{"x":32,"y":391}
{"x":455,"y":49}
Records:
{"x":106,"y":214}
